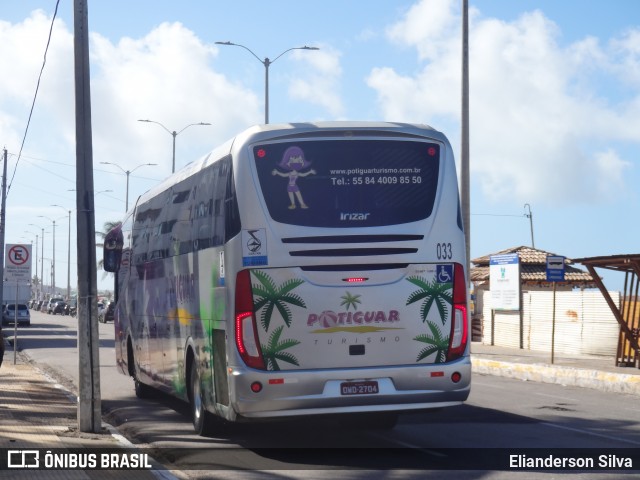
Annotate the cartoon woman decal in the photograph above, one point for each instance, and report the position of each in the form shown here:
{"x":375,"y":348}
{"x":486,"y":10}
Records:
{"x":293,"y":161}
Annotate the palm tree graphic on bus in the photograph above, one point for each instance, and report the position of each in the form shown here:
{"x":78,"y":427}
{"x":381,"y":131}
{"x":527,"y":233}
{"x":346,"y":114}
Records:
{"x":270,"y":297}
{"x":438,"y":294}
{"x":293,"y":161}
{"x":275,"y":350}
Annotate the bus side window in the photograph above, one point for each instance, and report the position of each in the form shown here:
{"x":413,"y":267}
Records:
{"x":201,"y":205}
{"x":231,"y":215}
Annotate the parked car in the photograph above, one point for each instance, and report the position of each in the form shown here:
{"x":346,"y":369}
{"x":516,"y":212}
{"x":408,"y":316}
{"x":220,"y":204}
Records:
{"x":9,"y":314}
{"x":106,"y":314}
{"x":72,"y":306}
{"x":58,"y":307}
{"x":52,"y":302}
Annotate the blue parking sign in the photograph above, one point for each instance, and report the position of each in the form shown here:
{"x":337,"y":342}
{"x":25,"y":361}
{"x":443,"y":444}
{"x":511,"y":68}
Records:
{"x":555,"y":268}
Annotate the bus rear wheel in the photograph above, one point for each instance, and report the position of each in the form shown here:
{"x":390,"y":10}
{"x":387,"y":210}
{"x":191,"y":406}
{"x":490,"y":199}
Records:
{"x":203,"y":422}
{"x":143,"y":390}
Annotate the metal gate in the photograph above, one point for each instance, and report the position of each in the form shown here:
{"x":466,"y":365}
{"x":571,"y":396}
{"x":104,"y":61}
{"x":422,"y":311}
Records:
{"x":628,"y":314}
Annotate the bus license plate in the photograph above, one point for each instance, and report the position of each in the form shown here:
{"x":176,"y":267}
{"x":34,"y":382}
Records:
{"x":359,"y":388}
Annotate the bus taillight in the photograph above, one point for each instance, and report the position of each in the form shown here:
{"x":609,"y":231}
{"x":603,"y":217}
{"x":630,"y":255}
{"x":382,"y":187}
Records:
{"x":246,"y":334}
{"x":460,"y":327}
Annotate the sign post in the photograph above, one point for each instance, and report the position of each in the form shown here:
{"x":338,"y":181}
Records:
{"x":17,"y":269}
{"x":555,"y":274}
{"x":504,"y":284}
{"x":504,"y":281}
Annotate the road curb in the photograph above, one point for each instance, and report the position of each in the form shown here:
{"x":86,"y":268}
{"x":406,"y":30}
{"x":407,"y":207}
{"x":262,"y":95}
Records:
{"x":567,"y":376}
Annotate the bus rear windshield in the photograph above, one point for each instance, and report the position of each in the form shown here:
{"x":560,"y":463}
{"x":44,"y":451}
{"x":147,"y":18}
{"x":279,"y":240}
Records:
{"x":348,"y":183}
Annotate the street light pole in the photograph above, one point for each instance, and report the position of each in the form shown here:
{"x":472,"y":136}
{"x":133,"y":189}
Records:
{"x":53,"y":264}
{"x":127,"y":173}
{"x":68,"y":255}
{"x":174,"y":134}
{"x":36,"y":267}
{"x":41,"y":259}
{"x":266,"y":62}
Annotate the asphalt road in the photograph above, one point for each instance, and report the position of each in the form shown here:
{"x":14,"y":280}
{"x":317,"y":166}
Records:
{"x":501,"y":413}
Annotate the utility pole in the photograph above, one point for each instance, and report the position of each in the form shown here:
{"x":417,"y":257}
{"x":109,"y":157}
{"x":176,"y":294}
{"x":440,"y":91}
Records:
{"x":89,"y":401}
{"x":69,"y":261}
{"x":464,"y":134}
{"x":42,"y":266}
{"x":530,"y":217}
{"x":2,"y":226}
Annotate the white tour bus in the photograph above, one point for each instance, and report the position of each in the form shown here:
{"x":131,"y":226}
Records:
{"x":299,"y":269}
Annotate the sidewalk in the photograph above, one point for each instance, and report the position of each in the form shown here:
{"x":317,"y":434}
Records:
{"x":35,"y":413}
{"x":581,"y":371}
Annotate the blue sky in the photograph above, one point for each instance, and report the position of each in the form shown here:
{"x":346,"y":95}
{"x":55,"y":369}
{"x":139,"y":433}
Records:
{"x":555,"y":102}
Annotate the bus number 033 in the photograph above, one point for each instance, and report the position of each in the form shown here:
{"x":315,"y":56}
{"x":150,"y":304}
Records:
{"x":444,"y":251}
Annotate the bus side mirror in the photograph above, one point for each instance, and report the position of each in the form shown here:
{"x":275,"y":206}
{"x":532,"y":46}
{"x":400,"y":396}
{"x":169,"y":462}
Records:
{"x":112,"y":250}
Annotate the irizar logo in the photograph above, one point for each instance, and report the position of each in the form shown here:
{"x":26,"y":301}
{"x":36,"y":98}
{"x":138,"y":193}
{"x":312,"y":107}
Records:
{"x":354,"y":216}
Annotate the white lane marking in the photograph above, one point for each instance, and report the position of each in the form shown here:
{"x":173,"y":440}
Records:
{"x":579,"y":430}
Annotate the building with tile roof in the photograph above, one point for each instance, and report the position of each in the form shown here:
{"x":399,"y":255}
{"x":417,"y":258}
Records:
{"x":533,"y":270}
{"x":584,"y":324}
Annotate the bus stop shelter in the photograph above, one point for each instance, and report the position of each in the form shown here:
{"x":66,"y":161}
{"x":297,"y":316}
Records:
{"x":628,"y":315}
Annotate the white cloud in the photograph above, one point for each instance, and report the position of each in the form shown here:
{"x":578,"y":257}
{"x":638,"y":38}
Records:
{"x":539,"y":110}
{"x":23,"y":49}
{"x":426,"y":25}
{"x":366,"y":35}
{"x":627,"y":51}
{"x":320,"y":84}
{"x":168,"y":76}
{"x":165,"y":76}
{"x":612,"y":170}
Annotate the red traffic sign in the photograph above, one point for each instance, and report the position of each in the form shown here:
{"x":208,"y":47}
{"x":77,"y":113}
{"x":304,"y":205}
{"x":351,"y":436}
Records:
{"x":17,"y":265}
{"x":18,"y":255}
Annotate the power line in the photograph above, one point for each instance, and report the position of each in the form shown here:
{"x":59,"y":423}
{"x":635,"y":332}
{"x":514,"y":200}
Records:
{"x":33,"y":103}
{"x":36,"y":161}
{"x":498,"y":215}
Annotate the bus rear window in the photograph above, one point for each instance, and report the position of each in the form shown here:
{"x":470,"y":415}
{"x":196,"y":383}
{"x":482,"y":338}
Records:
{"x":347,"y":183}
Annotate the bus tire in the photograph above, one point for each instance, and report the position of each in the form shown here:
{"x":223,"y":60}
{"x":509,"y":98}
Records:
{"x":203,"y":421}
{"x":143,"y":391}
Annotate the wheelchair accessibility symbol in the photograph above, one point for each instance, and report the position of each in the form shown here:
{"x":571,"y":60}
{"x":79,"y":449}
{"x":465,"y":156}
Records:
{"x":445,"y":274}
